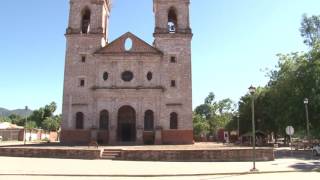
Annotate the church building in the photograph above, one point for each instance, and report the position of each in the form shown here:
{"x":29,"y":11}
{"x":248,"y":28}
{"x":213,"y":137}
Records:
{"x":127,"y":91}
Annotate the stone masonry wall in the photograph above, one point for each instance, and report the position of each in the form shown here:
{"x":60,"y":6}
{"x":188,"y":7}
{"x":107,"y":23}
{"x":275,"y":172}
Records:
{"x":51,"y":153}
{"x":198,"y":155}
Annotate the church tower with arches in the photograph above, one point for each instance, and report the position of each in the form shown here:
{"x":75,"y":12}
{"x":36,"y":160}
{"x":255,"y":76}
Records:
{"x":127,"y":91}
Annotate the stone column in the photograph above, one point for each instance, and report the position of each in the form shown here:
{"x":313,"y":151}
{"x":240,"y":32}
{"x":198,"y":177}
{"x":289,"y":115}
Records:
{"x":139,"y":121}
{"x":94,"y":134}
{"x":112,"y":135}
{"x":113,"y":122}
{"x":139,"y":136}
{"x":70,"y":112}
{"x":158,"y":136}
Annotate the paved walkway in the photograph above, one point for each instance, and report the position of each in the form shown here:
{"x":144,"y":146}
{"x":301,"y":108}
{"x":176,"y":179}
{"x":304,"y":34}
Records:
{"x":73,"y":167}
{"x":12,"y":168}
{"x":276,"y":176}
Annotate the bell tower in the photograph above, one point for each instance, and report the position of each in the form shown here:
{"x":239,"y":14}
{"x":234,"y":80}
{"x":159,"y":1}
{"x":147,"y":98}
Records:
{"x":89,"y":18}
{"x":87,"y":32}
{"x":171,"y":16}
{"x":173,"y":37}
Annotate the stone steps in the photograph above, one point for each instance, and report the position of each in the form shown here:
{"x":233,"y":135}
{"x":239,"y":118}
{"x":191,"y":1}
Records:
{"x":111,"y":154}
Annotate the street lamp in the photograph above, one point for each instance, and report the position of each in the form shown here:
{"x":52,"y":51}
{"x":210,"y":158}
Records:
{"x":25,"y":126}
{"x":238,"y":131}
{"x":306,"y":101}
{"x":252,"y":90}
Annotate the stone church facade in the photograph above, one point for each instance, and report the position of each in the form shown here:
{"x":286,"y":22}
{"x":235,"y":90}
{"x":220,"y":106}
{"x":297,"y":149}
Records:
{"x":127,"y":91}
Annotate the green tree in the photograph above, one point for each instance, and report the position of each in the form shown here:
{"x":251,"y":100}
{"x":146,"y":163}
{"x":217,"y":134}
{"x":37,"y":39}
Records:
{"x":42,"y":113}
{"x":297,"y":76}
{"x":212,"y":115}
{"x":50,"y":109}
{"x":200,"y":125}
{"x":30,"y":125}
{"x":225,"y":106}
{"x":16,"y":119}
{"x":225,"y":110}
{"x":210,"y":98}
{"x":52,"y":123}
{"x":310,"y":29}
{"x":4,"y":119}
{"x":205,"y":110}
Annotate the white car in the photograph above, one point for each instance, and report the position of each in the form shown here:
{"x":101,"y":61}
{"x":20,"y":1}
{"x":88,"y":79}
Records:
{"x":316,"y":150}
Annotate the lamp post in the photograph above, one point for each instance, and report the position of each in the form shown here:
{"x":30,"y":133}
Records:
{"x":25,"y":126}
{"x":252,"y":90}
{"x":306,"y":101}
{"x":238,"y":130}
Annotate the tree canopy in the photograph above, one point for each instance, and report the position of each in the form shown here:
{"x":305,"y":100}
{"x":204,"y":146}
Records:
{"x":43,"y":118}
{"x":297,"y":76}
{"x":280,"y":102}
{"x":212,"y":115}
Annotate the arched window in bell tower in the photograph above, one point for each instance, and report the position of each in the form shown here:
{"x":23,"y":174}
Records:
{"x":172,"y":20}
{"x":85,"y":22}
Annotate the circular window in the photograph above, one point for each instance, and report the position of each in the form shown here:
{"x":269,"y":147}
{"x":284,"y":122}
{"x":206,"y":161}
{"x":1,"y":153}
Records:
{"x":127,"y":76}
{"x":149,"y":76}
{"x":128,"y":44}
{"x":105,"y":76}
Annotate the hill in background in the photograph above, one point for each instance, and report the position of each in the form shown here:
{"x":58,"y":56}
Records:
{"x":21,"y":112}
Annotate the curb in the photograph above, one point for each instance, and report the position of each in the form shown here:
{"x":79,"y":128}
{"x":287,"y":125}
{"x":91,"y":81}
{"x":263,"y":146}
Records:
{"x":155,"y":175}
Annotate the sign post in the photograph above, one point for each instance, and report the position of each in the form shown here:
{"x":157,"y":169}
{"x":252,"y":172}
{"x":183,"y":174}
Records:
{"x":290,"y":132}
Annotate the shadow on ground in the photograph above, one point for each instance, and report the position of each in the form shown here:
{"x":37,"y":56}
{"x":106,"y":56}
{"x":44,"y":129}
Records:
{"x":295,"y":154}
{"x":315,"y":165}
{"x":312,"y":164}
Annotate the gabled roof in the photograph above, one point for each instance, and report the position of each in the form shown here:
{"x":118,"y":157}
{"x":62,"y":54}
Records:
{"x":138,"y":46}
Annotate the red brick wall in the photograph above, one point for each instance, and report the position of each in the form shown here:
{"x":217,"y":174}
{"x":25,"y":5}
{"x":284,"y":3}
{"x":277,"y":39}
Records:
{"x":103,"y":137}
{"x":177,"y":137}
{"x":75,"y":136}
{"x":148,"y":137}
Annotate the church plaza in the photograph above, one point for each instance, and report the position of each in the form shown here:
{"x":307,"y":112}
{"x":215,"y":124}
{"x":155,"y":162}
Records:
{"x":43,"y":168}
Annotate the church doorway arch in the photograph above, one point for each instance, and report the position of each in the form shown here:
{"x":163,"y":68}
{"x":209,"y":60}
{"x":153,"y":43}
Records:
{"x":126,"y":129}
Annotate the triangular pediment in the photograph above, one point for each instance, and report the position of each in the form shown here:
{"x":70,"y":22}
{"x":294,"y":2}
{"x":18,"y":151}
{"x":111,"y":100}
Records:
{"x":138,"y":46}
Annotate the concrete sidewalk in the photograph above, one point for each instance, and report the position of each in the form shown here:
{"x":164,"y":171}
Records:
{"x":91,"y":168}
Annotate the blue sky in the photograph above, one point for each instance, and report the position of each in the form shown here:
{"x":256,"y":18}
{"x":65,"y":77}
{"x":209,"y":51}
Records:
{"x":234,"y":41}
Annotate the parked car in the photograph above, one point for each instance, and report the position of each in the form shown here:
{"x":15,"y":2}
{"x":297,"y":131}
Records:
{"x":279,"y":142}
{"x":316,"y":150}
{"x":300,"y":144}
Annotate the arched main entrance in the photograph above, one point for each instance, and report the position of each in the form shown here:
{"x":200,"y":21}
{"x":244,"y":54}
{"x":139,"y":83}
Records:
{"x":126,"y":129}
